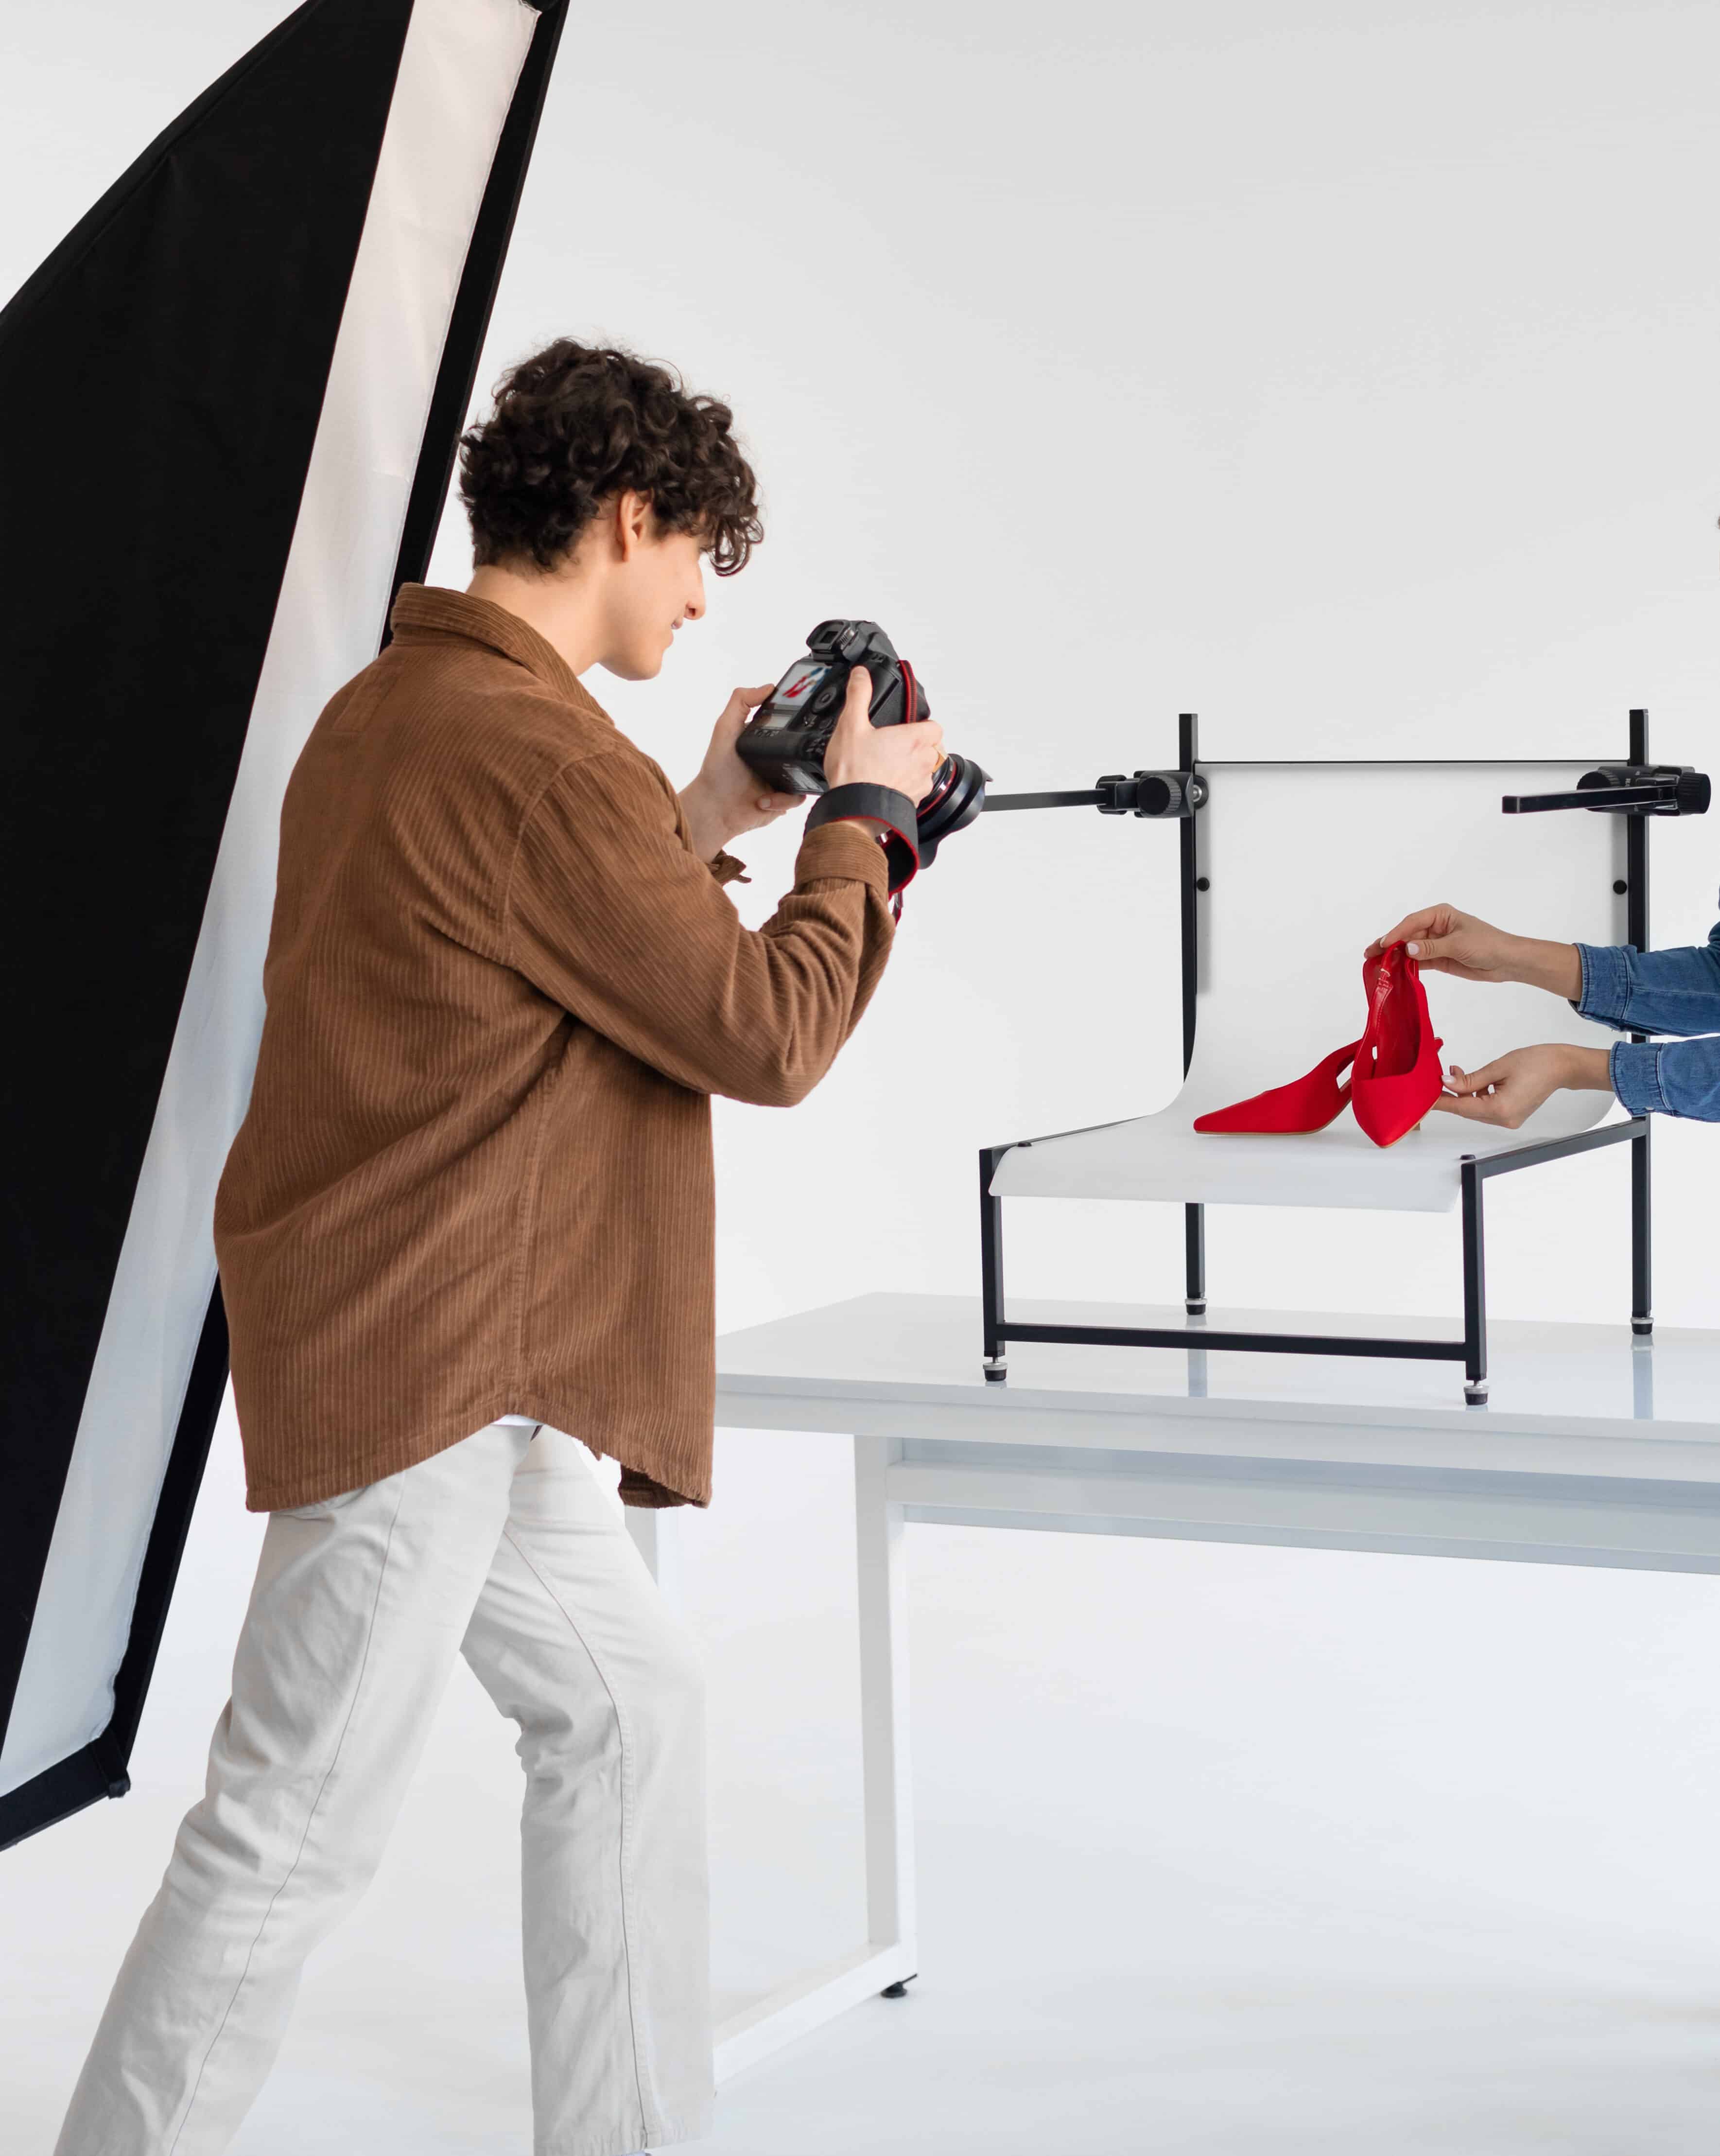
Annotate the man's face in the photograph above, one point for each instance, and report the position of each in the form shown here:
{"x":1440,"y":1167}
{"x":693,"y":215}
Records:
{"x":659,"y":584}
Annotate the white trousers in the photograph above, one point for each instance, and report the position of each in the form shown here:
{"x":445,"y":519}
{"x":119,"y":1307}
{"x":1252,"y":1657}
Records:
{"x":506,"y":1548}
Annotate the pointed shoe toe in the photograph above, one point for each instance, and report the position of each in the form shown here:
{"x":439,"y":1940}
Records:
{"x":1308,"y":1103}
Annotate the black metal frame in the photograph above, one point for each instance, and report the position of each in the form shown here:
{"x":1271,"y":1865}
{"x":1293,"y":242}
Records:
{"x":1474,"y":1172}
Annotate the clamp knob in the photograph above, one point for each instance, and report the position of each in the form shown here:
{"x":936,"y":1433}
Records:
{"x":1155,"y":793}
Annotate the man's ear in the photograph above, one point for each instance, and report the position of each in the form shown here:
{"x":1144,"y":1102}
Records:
{"x":632,"y":522}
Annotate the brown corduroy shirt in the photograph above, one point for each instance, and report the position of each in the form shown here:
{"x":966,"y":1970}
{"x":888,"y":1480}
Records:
{"x":475,"y":1177}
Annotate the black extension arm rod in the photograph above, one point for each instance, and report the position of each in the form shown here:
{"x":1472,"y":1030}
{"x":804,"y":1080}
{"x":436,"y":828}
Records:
{"x":1160,"y":793}
{"x":1660,"y":789}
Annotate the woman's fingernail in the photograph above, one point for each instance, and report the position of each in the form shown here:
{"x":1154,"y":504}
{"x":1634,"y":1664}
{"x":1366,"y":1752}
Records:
{"x":1413,"y":950}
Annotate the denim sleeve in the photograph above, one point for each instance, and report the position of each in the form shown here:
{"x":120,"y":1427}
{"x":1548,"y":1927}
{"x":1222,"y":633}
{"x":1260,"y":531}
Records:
{"x":1674,"y":992}
{"x":1668,"y":1077}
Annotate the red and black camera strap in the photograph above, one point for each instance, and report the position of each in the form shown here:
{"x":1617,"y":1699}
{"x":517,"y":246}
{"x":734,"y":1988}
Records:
{"x":881,"y":805}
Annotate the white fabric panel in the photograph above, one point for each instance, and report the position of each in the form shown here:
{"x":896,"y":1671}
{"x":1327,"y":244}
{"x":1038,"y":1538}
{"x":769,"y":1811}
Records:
{"x":460,"y":63}
{"x":1308,"y":862}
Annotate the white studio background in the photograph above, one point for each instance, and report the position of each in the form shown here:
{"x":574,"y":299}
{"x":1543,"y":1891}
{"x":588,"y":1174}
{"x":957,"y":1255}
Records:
{"x":1347,"y":374}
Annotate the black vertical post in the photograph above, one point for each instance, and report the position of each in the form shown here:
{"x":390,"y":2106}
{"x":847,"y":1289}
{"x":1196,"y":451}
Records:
{"x":1188,"y":750}
{"x":1194,"y":1259}
{"x":991,"y":1262}
{"x":1475,"y":1285}
{"x":1641,"y":1163}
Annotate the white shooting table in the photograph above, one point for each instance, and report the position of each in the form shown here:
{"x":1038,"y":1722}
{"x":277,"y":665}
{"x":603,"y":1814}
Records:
{"x":1593,"y":1450}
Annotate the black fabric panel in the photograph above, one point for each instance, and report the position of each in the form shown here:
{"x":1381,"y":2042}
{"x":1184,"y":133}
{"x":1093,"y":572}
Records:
{"x":173,"y":1524}
{"x":57,"y":1792}
{"x":469,"y":323}
{"x":162,"y":374}
{"x":99,"y":1770}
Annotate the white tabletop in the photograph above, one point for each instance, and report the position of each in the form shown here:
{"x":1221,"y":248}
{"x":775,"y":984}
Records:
{"x":1565,"y":1400}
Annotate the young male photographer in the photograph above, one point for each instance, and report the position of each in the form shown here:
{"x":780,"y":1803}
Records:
{"x":466,"y":1244}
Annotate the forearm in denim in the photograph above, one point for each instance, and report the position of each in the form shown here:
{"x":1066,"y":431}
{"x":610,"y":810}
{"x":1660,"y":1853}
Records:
{"x":1674,"y":992}
{"x":1606,"y":985}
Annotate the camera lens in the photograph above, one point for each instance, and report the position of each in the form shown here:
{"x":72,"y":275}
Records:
{"x":958,"y":795}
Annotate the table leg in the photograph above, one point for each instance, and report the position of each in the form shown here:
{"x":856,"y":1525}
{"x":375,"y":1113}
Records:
{"x":881,"y":1537}
{"x":656,"y":1530}
{"x":886,"y":1963}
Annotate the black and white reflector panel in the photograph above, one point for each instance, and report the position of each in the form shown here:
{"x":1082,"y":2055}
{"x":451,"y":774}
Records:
{"x":232,"y":398}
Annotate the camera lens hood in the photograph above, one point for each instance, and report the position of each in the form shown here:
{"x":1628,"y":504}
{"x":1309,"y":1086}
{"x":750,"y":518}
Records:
{"x":957,"y":796}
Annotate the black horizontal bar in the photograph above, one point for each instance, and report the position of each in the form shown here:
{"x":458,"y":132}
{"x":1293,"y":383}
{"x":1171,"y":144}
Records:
{"x":1531,"y":1156}
{"x":1395,"y":762}
{"x":1088,"y":797}
{"x":1246,"y":1343}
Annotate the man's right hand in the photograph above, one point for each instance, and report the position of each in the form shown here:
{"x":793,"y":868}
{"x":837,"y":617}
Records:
{"x":905,"y":757}
{"x":1442,"y":939}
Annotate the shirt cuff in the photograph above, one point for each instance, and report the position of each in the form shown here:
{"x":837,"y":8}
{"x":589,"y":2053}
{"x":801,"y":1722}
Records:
{"x":727,"y":869}
{"x":1606,"y":982}
{"x":1634,"y":1068}
{"x":843,"y":849}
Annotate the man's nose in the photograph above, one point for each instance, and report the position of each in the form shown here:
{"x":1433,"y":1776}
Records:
{"x":695,"y":601}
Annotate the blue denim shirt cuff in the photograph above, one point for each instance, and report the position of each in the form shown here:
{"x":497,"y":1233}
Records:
{"x":1606,"y":982}
{"x":1634,"y":1068}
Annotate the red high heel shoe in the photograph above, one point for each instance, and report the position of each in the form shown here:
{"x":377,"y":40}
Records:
{"x":1306,"y":1104}
{"x":1395,"y":1078}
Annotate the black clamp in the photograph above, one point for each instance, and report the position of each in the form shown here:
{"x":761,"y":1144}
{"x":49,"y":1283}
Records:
{"x":1151,"y":794}
{"x":1628,"y":789}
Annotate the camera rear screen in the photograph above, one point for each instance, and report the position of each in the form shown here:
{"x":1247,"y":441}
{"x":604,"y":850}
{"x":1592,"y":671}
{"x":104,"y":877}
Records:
{"x":793,"y":693}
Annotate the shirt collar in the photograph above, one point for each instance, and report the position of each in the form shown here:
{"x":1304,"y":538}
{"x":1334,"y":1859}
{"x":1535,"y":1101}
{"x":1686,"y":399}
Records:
{"x":421,"y":610}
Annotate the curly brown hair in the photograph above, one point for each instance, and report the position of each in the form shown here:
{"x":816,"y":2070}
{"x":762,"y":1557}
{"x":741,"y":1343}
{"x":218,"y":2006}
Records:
{"x":575,"y":425}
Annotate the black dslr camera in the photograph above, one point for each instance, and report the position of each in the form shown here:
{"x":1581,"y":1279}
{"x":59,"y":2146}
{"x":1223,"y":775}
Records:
{"x":785,"y":739}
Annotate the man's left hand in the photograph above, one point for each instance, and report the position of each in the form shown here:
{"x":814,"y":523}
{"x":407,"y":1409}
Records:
{"x":728,"y":797}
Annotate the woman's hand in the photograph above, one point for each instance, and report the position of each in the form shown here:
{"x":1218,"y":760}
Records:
{"x":1509,"y":1090}
{"x":728,"y":797}
{"x":1442,"y":939}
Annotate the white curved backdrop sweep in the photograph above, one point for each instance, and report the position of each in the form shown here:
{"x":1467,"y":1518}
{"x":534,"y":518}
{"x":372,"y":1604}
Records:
{"x":1280,"y":977}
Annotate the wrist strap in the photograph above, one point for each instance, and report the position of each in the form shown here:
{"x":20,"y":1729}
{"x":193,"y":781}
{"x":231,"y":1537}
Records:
{"x":885,"y":805}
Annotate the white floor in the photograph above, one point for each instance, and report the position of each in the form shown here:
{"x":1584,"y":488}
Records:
{"x":1221,"y":1850}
